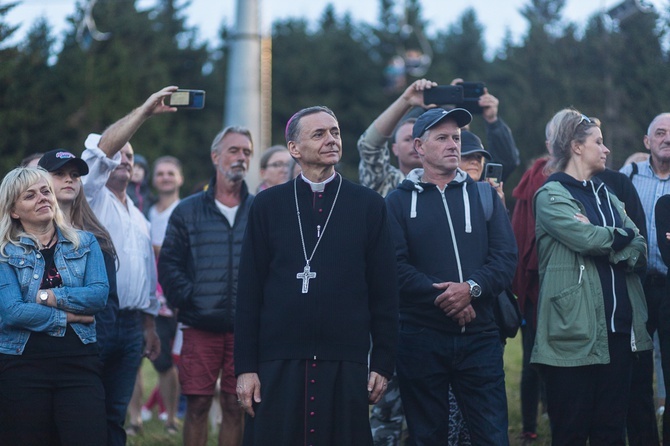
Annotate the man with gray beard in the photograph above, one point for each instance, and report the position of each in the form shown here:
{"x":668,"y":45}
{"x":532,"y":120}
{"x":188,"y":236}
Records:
{"x":197,"y":269}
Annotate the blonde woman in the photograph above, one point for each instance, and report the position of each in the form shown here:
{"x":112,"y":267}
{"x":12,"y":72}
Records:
{"x":592,"y":311}
{"x":52,"y":283}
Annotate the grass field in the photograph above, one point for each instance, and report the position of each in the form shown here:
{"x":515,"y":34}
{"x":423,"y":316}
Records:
{"x":153,"y":433}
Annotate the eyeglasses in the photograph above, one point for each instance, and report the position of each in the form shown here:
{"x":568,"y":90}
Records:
{"x":279,"y":165}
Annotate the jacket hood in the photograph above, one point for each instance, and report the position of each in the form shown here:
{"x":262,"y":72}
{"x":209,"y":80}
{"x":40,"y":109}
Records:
{"x":414,"y":185}
{"x":567,"y":180}
{"x":413,"y":180}
{"x":593,"y":187}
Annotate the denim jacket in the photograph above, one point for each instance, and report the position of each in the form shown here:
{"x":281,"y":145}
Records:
{"x":84,"y":291}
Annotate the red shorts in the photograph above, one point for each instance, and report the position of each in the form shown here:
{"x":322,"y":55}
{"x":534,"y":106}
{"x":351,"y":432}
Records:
{"x":205,"y":355}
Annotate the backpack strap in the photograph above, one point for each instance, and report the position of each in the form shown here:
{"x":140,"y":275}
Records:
{"x":633,"y":172}
{"x":486,"y":198}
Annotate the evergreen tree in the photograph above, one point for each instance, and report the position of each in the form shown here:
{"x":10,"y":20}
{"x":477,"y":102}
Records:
{"x":535,"y":77}
{"x":34,"y":112}
{"x":328,"y":67}
{"x":638,"y":67}
{"x":8,"y":55}
{"x":460,"y":51}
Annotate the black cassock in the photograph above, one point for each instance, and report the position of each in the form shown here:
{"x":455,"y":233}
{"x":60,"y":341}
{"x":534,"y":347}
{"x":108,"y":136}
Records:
{"x":310,"y":350}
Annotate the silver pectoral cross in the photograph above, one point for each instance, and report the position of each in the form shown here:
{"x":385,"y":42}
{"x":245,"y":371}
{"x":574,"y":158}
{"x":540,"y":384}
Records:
{"x":305,"y":275}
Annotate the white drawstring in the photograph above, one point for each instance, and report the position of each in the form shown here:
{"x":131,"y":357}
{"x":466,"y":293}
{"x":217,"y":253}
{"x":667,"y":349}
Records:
{"x":466,"y":205}
{"x":412,"y":212}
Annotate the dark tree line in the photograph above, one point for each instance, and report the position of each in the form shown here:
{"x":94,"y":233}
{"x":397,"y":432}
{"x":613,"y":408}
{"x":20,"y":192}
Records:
{"x":53,"y":98}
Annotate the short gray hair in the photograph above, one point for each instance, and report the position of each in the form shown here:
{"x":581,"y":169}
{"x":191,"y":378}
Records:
{"x":653,"y":121}
{"x":231,"y":129}
{"x":293,"y":126}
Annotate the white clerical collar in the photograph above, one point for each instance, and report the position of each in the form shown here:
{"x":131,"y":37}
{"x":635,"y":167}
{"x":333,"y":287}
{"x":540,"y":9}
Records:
{"x":317,"y":187}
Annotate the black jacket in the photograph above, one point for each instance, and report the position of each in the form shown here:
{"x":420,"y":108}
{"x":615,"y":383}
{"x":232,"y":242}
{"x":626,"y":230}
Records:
{"x":199,"y":261}
{"x":445,"y":237}
{"x":662,"y":213}
{"x":621,"y":186}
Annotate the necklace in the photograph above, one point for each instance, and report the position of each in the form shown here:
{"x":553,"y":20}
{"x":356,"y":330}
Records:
{"x":48,"y":245}
{"x":306,"y":275}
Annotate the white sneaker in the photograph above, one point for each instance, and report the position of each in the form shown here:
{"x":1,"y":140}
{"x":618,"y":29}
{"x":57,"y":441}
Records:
{"x":146,"y":414}
{"x":660,"y":411}
{"x":163,"y":416}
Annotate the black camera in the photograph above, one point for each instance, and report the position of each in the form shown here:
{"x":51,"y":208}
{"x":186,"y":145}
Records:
{"x":464,"y":95}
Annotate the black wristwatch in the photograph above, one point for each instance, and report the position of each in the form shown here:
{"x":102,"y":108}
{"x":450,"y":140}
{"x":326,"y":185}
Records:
{"x":475,"y":289}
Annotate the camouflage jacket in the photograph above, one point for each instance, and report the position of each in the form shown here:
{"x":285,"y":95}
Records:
{"x":374,"y":169}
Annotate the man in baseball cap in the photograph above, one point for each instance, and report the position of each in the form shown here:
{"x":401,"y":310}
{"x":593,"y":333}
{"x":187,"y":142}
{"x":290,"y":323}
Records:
{"x":448,"y":287}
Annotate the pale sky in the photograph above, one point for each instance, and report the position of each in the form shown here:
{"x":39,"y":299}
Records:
{"x":207,"y":15}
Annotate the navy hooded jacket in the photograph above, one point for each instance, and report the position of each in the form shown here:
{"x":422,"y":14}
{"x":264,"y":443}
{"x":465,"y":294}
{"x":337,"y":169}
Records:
{"x":444,"y":236}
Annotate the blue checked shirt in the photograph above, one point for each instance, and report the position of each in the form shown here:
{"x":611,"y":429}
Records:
{"x":650,"y":188}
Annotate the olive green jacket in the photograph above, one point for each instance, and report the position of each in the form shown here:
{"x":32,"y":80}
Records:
{"x":571,"y":328}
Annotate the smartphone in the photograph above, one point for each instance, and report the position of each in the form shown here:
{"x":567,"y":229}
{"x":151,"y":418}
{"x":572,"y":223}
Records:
{"x":443,"y":94}
{"x":188,"y":99}
{"x":472,"y":89}
{"x":471,"y":93}
{"x":493,"y":170}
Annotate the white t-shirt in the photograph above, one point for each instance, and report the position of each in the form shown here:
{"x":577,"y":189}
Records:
{"x":227,"y":212}
{"x":159,"y":221}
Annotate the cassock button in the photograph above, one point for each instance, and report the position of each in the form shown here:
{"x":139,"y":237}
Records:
{"x":311,"y":414}
{"x":320,"y":210}
{"x":320,"y":195}
{"x":311,"y":431}
{"x":311,"y":398}
{"x":314,"y":364}
{"x":312,"y":381}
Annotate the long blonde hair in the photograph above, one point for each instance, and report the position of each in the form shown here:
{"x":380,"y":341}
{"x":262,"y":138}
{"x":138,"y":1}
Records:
{"x":13,"y":185}
{"x":82,"y":216}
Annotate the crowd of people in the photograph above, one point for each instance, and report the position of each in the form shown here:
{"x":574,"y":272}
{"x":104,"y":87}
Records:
{"x":298,"y":308}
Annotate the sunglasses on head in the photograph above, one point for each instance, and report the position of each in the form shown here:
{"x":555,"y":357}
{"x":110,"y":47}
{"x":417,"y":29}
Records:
{"x":584,"y":118}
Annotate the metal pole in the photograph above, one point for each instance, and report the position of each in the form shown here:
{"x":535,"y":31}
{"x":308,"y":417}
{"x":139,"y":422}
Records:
{"x":243,"y":90}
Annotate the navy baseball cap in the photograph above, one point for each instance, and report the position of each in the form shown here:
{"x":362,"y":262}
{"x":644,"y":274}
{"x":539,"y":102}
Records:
{"x":431,"y":117}
{"x":57,"y":158}
{"x":470,"y":143}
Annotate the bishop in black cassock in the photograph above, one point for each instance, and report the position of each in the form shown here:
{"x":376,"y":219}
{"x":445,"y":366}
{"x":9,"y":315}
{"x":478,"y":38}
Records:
{"x":314,"y":346}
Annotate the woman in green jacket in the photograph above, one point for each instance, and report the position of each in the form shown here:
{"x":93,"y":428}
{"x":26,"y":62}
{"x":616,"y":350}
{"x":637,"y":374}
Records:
{"x":592,"y":312}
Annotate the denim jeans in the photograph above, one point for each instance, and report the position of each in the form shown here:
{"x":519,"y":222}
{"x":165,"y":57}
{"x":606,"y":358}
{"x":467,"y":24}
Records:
{"x":121,"y":355}
{"x":429,"y":360}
